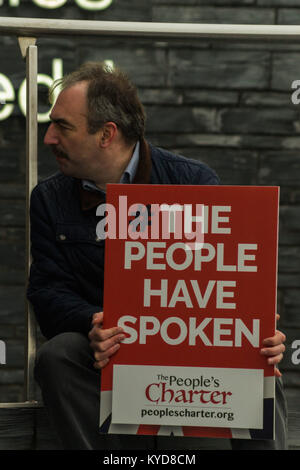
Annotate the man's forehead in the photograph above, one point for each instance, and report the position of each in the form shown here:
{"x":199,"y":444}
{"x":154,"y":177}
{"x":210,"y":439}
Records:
{"x":71,"y":102}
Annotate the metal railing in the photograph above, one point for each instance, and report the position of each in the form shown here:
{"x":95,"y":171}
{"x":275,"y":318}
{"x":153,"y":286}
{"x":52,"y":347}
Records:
{"x":37,"y":27}
{"x":28,"y":30}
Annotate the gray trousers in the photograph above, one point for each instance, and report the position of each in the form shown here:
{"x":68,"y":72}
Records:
{"x":70,"y":389}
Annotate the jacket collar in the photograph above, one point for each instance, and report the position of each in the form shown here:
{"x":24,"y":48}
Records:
{"x":91,"y":199}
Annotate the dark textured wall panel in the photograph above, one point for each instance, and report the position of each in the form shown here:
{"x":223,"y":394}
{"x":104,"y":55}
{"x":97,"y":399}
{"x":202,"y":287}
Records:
{"x":227,"y":103}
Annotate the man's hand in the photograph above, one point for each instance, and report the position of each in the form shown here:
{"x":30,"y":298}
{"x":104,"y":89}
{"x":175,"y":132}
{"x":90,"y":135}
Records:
{"x":274,"y":348}
{"x":104,"y":343}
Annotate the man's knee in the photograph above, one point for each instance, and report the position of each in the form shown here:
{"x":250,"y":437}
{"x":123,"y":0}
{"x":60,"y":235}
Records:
{"x":55,"y":354}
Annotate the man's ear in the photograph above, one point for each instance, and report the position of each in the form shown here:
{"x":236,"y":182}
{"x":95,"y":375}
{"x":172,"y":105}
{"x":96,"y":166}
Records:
{"x":107,"y":134}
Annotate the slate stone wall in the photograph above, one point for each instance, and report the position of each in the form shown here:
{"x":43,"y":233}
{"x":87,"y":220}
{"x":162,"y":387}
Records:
{"x":227,"y":103}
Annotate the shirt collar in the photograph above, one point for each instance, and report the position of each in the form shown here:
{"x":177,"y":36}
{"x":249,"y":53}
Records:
{"x":127,"y":176}
{"x":92,"y":199}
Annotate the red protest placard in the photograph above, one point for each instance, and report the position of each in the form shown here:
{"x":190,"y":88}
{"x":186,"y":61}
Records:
{"x":191,"y":276}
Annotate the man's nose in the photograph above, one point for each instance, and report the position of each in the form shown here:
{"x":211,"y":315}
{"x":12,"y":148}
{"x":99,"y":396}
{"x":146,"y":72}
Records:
{"x":51,"y":136}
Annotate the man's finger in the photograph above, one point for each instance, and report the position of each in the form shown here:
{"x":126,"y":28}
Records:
{"x":278,"y":338}
{"x":102,"y":359}
{"x":103,"y":346}
{"x":100,"y":356}
{"x":98,"y":334}
{"x":97,"y":318}
{"x":273,"y":351}
{"x":275,"y":359}
{"x":100,"y":364}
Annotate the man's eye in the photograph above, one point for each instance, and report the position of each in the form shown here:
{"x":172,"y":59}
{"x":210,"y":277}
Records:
{"x":62,"y":126}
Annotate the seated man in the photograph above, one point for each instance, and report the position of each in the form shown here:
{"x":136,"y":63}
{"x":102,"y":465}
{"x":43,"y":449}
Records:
{"x":97,"y":136}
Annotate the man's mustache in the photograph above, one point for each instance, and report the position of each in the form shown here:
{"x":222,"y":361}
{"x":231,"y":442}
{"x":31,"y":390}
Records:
{"x":59,"y":153}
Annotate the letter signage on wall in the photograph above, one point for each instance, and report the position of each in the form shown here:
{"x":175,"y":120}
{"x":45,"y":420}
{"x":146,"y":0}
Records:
{"x":92,"y":5}
{"x":8,"y":93}
{"x":191,"y":276}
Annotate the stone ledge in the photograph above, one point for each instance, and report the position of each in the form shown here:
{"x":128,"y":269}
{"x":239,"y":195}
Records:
{"x":29,"y":429}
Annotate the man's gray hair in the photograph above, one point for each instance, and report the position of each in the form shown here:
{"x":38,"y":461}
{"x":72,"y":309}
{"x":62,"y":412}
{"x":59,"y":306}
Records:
{"x":111,"y":96}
